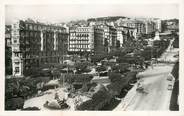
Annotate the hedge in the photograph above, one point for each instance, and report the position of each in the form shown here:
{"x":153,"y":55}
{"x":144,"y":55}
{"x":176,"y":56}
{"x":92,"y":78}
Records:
{"x":98,"y":100}
{"x":116,"y":86}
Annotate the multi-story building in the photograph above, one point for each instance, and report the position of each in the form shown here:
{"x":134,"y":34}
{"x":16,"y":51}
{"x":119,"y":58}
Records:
{"x":100,"y":43}
{"x":110,"y":36}
{"x":125,"y":34}
{"x":86,"y":39}
{"x":158,"y":25}
{"x":34,"y":44}
{"x":121,"y":37}
{"x":81,"y":39}
{"x":134,"y":23}
{"x":150,"y":27}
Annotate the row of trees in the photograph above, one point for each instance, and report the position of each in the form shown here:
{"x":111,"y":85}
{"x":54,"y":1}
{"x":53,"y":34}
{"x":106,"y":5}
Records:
{"x":118,"y":82}
{"x":104,"y":95}
{"x":140,"y":51}
{"x":20,"y":88}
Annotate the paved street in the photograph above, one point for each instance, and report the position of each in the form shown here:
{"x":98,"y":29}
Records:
{"x":155,"y":83}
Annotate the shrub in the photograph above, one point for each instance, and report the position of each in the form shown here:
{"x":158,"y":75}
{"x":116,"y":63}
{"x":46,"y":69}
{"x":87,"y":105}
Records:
{"x":78,"y":78}
{"x":14,"y":103}
{"x":114,"y":76}
{"x":82,"y":66}
{"x":101,"y":68}
{"x":98,"y":100}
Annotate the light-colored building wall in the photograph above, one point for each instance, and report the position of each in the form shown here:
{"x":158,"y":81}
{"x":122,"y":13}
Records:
{"x":110,"y":34}
{"x":16,"y":54}
{"x":81,"y":39}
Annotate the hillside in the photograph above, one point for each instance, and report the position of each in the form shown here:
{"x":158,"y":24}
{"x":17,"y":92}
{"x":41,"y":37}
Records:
{"x":109,"y":18}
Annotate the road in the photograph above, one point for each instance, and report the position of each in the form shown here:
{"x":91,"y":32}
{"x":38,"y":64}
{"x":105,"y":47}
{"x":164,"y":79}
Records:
{"x":155,"y":83}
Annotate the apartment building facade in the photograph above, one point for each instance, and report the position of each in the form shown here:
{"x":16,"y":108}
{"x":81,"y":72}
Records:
{"x":125,"y":34}
{"x":133,"y":23}
{"x":81,"y":39}
{"x":34,"y":44}
{"x":86,"y":40}
{"x":110,"y":36}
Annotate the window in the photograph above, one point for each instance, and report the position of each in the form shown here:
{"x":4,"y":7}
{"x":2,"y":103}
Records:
{"x":16,"y":54}
{"x":14,"y":41}
{"x":16,"y":69}
{"x":17,"y":63}
{"x":35,"y":27}
{"x":31,"y":34}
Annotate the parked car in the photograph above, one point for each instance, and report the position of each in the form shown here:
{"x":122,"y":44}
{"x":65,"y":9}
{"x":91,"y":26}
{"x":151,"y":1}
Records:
{"x":170,"y":87}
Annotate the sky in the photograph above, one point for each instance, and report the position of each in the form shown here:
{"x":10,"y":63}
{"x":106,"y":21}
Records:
{"x":68,"y":12}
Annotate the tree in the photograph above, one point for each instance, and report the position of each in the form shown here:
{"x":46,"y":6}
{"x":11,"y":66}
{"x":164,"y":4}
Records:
{"x":115,"y":77}
{"x":8,"y":62}
{"x":121,"y":68}
{"x":97,"y":57}
{"x":97,"y":101}
{"x":101,"y":68}
{"x":82,"y":66}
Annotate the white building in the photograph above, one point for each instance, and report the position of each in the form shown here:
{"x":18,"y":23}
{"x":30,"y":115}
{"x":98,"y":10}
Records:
{"x":159,"y":25}
{"x":81,"y":39}
{"x":16,"y":54}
